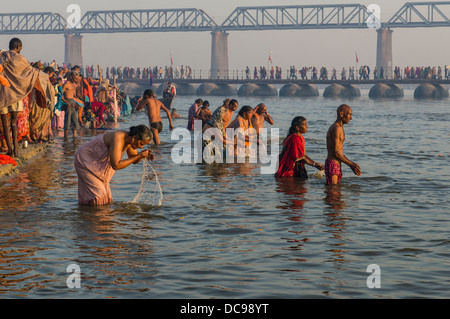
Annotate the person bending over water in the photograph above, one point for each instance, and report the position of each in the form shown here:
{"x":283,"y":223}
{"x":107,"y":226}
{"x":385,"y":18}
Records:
{"x":293,"y":157}
{"x":335,"y":147}
{"x":97,"y":160}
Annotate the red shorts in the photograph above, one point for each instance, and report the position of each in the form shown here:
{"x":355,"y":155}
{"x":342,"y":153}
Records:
{"x":332,"y":168}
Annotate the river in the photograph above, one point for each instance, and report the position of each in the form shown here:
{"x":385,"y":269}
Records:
{"x":228,"y":231}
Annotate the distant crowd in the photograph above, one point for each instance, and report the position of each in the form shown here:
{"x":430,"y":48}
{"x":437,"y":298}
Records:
{"x":364,"y":72}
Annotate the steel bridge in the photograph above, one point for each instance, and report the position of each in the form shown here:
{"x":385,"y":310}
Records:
{"x":301,"y":17}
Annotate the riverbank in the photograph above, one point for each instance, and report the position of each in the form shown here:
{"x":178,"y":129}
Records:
{"x":25,"y":154}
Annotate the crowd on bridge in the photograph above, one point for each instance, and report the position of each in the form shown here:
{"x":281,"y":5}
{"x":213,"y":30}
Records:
{"x":364,"y":72}
{"x":138,"y":73}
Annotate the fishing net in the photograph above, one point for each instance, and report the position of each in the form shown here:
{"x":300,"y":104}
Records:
{"x":150,"y":192}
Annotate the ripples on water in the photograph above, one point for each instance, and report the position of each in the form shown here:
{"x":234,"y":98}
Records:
{"x":226,"y":231}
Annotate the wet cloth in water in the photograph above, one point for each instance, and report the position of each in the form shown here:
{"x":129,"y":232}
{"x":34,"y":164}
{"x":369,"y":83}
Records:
{"x":93,"y":166}
{"x":332,"y":168}
{"x":157,"y":126}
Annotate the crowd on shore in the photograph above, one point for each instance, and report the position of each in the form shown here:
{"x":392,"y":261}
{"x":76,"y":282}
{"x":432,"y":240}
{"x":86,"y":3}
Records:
{"x":38,"y":98}
{"x":33,"y":97}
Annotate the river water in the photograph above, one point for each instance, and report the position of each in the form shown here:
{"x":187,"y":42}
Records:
{"x":228,"y":231}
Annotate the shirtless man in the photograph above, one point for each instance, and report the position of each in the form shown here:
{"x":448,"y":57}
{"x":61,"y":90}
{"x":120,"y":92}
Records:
{"x":153,"y":107}
{"x":70,"y":107}
{"x":259,"y":116}
{"x":221,"y":118}
{"x":335,"y":147}
{"x":204,"y":113}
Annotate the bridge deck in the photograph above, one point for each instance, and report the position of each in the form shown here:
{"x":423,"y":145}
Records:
{"x":288,"y":81}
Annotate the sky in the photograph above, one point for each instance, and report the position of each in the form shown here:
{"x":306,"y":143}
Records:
{"x":330,"y":48}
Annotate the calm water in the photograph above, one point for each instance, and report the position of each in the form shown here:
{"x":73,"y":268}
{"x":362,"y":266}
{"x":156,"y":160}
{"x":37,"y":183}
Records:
{"x":226,"y":231}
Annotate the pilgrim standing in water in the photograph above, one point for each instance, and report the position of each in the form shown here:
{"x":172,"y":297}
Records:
{"x":97,"y":160}
{"x":293,"y":157}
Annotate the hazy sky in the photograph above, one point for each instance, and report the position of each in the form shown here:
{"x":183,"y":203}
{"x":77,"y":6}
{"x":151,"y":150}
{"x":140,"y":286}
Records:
{"x":329,"y":48}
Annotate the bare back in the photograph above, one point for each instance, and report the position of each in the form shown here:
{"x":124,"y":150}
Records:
{"x":258,"y":121}
{"x":227,"y":117}
{"x":153,"y":109}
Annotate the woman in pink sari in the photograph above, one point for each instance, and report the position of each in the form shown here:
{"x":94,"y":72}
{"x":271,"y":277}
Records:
{"x":97,"y":160}
{"x":293,"y":157}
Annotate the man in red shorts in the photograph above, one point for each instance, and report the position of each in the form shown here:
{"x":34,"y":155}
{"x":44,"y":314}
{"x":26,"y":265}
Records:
{"x":335,"y":147}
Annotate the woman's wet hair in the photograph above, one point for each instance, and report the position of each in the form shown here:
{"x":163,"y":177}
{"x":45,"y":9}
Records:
{"x":205,"y":103}
{"x":245,"y":109}
{"x":141,"y":132}
{"x":297,"y":121}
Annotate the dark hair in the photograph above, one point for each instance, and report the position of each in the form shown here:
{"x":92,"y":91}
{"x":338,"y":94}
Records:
{"x":199,"y":101}
{"x":15,"y":43}
{"x":233,"y":101}
{"x":245,"y":109}
{"x":49,"y":70}
{"x":141,"y":132}
{"x":205,"y":103}
{"x":149,"y":92}
{"x":296,"y":122}
{"x":76,"y":67}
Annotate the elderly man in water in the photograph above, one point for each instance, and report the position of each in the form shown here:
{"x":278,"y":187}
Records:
{"x":335,"y":147}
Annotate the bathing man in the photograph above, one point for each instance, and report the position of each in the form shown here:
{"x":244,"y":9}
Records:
{"x":335,"y":147}
{"x":153,"y":107}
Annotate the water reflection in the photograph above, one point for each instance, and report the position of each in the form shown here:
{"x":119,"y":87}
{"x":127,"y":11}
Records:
{"x":334,"y":198}
{"x":115,"y":247}
{"x":18,"y":275}
{"x":296,"y":188}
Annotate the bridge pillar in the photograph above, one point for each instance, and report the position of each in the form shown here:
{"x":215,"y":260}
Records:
{"x":219,"y":55}
{"x":73,"y":49}
{"x":384,"y":52}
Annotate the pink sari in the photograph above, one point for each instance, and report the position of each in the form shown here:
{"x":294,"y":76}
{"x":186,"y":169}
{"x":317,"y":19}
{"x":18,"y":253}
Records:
{"x":22,"y":120}
{"x":93,"y":166}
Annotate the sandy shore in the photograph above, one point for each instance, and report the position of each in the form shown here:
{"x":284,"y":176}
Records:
{"x":25,"y":154}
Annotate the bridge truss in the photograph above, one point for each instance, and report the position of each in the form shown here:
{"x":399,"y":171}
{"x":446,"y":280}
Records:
{"x":345,"y":16}
{"x":146,"y":21}
{"x":297,"y":17}
{"x":32,"y":23}
{"x":422,"y":14}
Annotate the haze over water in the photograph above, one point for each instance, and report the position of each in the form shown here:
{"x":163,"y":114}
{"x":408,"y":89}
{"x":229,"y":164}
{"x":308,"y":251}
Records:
{"x":226,"y":231}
